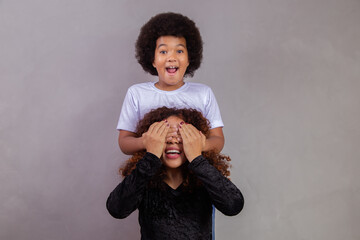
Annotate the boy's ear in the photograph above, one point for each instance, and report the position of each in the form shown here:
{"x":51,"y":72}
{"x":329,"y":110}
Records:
{"x":153,"y":65}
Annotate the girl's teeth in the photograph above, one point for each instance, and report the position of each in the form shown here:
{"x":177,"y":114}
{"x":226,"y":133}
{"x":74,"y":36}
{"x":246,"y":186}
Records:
{"x":172,"y":152}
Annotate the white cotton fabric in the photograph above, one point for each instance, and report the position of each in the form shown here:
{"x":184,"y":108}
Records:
{"x":143,"y":97}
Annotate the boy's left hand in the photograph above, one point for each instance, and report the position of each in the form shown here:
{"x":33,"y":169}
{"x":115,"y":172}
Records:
{"x":193,"y":141}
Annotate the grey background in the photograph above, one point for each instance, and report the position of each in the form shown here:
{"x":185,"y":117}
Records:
{"x":286,"y":74}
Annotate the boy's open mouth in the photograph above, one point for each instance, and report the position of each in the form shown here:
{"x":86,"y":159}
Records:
{"x":172,"y":69}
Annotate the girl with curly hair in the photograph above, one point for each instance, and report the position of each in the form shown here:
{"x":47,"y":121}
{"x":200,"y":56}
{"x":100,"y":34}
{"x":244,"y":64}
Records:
{"x":174,"y":183}
{"x":170,"y":47}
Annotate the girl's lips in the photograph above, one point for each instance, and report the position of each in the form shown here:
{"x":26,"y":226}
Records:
{"x":172,"y":156}
{"x":172,"y":152}
{"x":172,"y":148}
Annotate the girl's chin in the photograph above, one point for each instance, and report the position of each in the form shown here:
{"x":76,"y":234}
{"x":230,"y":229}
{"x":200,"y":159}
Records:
{"x":172,"y":156}
{"x":173,"y":167}
{"x":173,"y":163}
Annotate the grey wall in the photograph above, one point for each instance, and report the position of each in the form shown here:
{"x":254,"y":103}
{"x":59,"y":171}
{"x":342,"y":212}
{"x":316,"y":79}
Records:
{"x":286,"y":74}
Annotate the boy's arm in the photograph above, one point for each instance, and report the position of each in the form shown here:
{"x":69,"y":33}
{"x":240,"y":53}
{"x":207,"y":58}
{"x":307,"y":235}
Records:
{"x":215,"y":141}
{"x":129,"y":143}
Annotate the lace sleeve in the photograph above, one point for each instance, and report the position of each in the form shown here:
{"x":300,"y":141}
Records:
{"x":126,"y":197}
{"x":225,"y":196}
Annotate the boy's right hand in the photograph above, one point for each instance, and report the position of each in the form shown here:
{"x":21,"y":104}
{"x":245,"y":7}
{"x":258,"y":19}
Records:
{"x":154,"y":138}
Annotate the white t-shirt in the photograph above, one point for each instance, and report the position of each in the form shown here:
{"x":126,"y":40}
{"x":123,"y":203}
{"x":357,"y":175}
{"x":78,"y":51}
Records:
{"x":143,"y":97}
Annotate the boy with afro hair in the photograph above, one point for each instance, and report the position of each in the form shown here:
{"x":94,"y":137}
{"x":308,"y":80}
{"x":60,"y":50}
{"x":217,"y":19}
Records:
{"x":169,"y":46}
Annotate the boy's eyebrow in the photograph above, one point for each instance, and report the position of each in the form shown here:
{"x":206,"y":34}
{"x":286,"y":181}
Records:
{"x":163,"y":44}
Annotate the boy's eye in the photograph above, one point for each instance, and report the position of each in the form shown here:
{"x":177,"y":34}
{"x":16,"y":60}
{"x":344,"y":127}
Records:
{"x":180,"y":51}
{"x":162,"y":52}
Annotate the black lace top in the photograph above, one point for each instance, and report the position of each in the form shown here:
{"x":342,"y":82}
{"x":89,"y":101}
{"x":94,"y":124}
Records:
{"x":165,"y":213}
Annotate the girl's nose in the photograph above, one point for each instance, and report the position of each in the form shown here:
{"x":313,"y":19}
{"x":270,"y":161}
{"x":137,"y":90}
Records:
{"x":175,"y":139}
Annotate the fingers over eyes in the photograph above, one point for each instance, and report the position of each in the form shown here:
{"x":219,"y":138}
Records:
{"x":158,"y":128}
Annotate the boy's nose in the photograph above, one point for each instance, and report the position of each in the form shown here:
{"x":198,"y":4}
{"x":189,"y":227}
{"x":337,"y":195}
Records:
{"x":171,"y":57}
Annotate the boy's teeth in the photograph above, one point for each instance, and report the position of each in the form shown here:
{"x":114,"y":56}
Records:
{"x":171,"y":69}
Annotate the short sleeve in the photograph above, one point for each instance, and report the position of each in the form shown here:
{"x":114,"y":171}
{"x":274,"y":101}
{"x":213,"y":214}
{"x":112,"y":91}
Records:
{"x":129,"y":115}
{"x":212,"y":111}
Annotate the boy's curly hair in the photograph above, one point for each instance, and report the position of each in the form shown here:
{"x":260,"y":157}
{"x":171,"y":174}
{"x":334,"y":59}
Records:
{"x":169,"y":24}
{"x":192,"y":116}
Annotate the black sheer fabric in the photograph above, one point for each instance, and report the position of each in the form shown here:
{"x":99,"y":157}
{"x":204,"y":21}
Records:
{"x":166,"y":213}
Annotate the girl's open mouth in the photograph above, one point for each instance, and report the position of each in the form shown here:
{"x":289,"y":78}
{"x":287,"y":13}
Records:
{"x":172,"y":153}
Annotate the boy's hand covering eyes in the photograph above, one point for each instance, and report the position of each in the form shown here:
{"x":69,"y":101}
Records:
{"x":193,"y":141}
{"x":154,"y":138}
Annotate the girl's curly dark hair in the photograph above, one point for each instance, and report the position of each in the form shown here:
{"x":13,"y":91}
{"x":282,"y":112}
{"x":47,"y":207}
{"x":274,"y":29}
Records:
{"x":192,"y":116}
{"x":169,"y":24}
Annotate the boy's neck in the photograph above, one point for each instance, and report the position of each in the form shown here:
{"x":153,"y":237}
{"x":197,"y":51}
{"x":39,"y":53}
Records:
{"x":166,"y":87}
